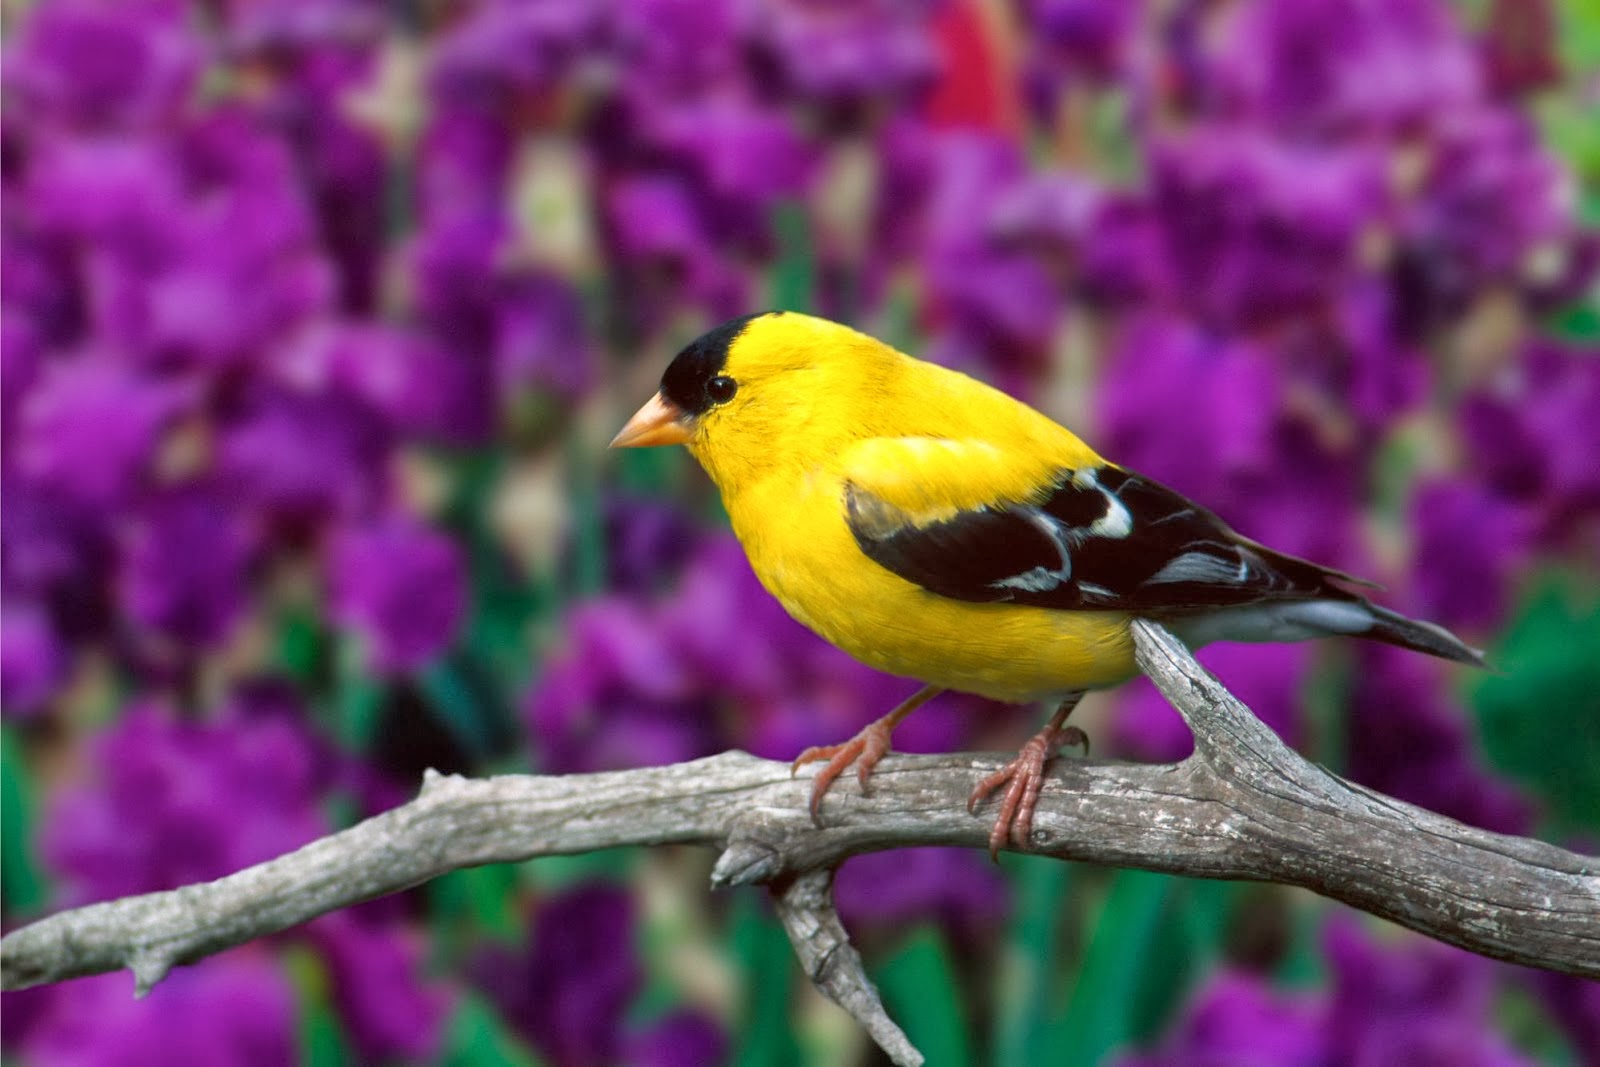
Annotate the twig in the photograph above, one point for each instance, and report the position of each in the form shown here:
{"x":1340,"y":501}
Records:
{"x":1243,"y":806}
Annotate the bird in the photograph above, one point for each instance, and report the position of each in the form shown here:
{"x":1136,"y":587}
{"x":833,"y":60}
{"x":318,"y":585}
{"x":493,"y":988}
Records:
{"x":936,"y":528}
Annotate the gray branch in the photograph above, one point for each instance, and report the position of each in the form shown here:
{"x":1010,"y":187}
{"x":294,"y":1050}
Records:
{"x":1243,"y":806}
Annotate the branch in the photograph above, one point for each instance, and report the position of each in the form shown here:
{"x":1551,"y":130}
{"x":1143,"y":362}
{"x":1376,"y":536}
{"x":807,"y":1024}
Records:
{"x":1243,"y":806}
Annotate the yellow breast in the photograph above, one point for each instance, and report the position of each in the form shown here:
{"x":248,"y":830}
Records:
{"x":809,"y":560}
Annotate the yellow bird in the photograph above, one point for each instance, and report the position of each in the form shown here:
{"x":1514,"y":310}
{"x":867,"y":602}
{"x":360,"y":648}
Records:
{"x":936,"y":528}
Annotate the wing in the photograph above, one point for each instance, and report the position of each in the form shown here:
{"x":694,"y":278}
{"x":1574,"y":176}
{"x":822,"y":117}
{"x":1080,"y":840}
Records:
{"x":1095,"y":538}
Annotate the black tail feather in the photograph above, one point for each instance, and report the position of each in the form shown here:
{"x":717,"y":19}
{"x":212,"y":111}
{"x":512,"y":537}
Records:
{"x":1393,"y":628}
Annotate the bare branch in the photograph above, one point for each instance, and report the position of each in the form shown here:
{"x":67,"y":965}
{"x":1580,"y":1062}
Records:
{"x":1244,"y":806}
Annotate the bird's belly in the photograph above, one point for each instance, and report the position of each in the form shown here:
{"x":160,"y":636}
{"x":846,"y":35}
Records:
{"x":1002,"y":651}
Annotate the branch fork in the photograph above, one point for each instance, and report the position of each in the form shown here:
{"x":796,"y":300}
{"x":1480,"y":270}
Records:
{"x":1242,"y":806}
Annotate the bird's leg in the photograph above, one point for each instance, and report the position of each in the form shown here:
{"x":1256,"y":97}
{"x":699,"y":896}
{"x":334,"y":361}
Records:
{"x":865,"y":749}
{"x":1023,"y":777}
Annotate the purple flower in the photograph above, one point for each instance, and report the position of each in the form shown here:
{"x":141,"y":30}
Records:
{"x":1419,"y":1001}
{"x":1212,"y":418}
{"x":414,"y":384}
{"x":1238,"y":1019}
{"x":681,"y":1039}
{"x":1268,"y":679}
{"x":618,"y":696}
{"x":1470,"y":543}
{"x":373,"y":977}
{"x":102,"y":66}
{"x":185,"y":567}
{"x":92,"y":425}
{"x":509,"y":53}
{"x":1415,"y":1001}
{"x":675,"y":47}
{"x":173,"y":802}
{"x":540,"y":337}
{"x":33,"y":663}
{"x":54,"y":550}
{"x":646,"y":543}
{"x":1407,"y":739}
{"x":237,"y":1008}
{"x":300,"y":457}
{"x":568,"y":994}
{"x":1530,"y":432}
{"x":841,"y":60}
{"x":1258,"y":230}
{"x":1330,"y":67}
{"x":959,"y":891}
{"x":1493,"y":208}
{"x":401,"y":586}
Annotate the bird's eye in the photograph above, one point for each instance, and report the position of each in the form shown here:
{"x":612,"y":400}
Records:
{"x":721,"y":389}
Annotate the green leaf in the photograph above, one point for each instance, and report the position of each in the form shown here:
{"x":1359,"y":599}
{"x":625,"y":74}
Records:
{"x":358,"y":699}
{"x":464,"y":700}
{"x":1032,"y":944}
{"x":469,"y":903}
{"x":920,"y":992}
{"x":477,"y":1036}
{"x":794,"y":277}
{"x":322,"y":1038}
{"x":21,"y":885}
{"x":760,"y":948}
{"x":1540,"y":718}
{"x":1103,"y":1010}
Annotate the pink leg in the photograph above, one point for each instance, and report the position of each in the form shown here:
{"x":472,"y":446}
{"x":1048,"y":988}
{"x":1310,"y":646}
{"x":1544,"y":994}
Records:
{"x":865,"y":749}
{"x":1023,"y":777}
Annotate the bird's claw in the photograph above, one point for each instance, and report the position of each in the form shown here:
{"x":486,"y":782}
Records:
{"x":1022,"y":778}
{"x":864,"y":750}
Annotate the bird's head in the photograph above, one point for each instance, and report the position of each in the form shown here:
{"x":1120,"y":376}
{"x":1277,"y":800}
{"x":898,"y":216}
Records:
{"x":763,"y":391}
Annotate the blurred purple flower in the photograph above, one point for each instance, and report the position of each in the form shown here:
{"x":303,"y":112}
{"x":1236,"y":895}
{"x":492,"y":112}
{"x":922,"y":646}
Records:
{"x":1417,"y":1002}
{"x":846,"y":60}
{"x":1258,"y":230}
{"x":677,"y":47}
{"x":617,"y":696}
{"x":115,"y":64}
{"x":1407,"y":739}
{"x":185,"y":567}
{"x":373,"y":978}
{"x":53,"y":549}
{"x":647,"y":542}
{"x":237,"y":1008}
{"x":1532,"y":432}
{"x":463,"y":166}
{"x":956,"y":890}
{"x":1494,"y":208}
{"x":506,"y":55}
{"x":1214,"y":418}
{"x":681,"y":1039}
{"x":541,"y":340}
{"x":1238,"y":1019}
{"x":299,"y":457}
{"x":1267,"y":678}
{"x":173,"y":802}
{"x":1470,"y":543}
{"x":1331,"y":67}
{"x":1575,"y":1003}
{"x":92,"y":425}
{"x":569,"y":992}
{"x":33,"y":662}
{"x":401,"y":586}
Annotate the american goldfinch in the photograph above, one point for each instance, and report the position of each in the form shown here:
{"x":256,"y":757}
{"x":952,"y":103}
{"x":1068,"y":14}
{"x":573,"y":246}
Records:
{"x":935,"y":528}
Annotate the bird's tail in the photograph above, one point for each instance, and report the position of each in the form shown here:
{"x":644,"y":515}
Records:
{"x":1344,"y":614}
{"x":1392,"y":628}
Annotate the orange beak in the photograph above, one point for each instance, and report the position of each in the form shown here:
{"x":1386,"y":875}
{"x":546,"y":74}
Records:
{"x":659,"y":422}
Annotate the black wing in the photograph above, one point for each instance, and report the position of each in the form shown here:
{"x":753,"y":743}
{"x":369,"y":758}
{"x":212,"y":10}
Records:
{"x":1104,"y":539}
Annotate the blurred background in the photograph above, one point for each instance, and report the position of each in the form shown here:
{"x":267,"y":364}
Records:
{"x":317,"y":316}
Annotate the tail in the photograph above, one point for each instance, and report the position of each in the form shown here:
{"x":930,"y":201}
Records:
{"x":1345,"y":615}
{"x":1392,"y":628}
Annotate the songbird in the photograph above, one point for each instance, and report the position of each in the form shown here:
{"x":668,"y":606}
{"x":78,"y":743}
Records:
{"x":935,"y":528}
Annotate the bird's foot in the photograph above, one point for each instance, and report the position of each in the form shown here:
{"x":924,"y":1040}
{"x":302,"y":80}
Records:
{"x":864,"y":750}
{"x":1022,"y":778}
